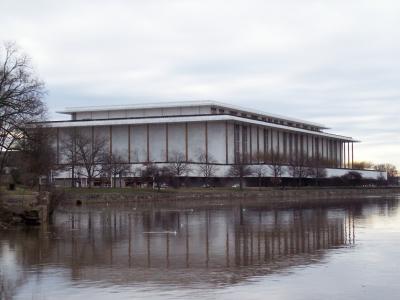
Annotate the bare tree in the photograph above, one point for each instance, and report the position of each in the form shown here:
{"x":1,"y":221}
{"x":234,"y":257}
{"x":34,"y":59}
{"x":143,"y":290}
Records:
{"x":207,"y":167}
{"x":21,"y":94}
{"x":363,"y":165}
{"x":151,"y":170}
{"x":158,"y":175}
{"x":37,"y":155}
{"x":91,"y":151}
{"x":179,"y":166}
{"x":353,"y":178}
{"x":390,"y":169}
{"x":85,"y":151}
{"x":299,"y":168}
{"x":68,"y":154}
{"x":260,"y":169}
{"x":240,"y":169}
{"x":115,"y":165}
{"x":276,"y":170}
{"x":316,"y":170}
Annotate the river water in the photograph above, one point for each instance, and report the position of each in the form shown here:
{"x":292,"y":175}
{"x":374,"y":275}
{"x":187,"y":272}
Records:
{"x":225,"y":251}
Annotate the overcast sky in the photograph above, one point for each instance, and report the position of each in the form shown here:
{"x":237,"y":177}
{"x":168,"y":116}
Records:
{"x":333,"y":62}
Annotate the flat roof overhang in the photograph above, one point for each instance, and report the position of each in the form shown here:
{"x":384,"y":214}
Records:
{"x":161,"y":105}
{"x":189,"y":119}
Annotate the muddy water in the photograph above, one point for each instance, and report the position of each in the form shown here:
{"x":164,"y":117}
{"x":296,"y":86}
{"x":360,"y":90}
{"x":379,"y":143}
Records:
{"x":229,"y":251}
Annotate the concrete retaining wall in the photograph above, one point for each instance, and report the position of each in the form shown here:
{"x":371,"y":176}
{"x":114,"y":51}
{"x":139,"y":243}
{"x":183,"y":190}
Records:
{"x":273,"y":197}
{"x":32,"y":207}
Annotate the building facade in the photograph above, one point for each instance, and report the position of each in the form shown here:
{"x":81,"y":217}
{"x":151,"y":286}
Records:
{"x":206,"y":132}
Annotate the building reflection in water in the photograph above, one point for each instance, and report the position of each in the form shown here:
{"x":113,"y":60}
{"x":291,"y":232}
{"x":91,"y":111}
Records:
{"x":220,"y":245}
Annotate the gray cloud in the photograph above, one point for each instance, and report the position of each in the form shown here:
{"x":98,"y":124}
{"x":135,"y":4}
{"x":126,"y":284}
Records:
{"x":334,"y":62}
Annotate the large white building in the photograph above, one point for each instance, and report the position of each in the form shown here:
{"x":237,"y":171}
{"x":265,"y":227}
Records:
{"x":221,"y":134}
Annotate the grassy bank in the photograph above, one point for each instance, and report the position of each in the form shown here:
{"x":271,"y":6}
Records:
{"x":19,"y":190}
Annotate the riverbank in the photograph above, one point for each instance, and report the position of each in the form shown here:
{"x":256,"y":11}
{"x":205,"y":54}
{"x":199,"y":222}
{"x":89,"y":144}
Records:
{"x":274,"y":197}
{"x":24,"y":206}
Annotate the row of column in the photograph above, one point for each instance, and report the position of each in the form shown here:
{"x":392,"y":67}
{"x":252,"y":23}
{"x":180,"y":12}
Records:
{"x":285,"y":147}
{"x":271,"y":146}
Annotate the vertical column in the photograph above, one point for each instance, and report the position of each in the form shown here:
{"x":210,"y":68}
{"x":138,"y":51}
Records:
{"x":297,"y":145}
{"x":235,"y":143}
{"x":331,"y":160}
{"x":58,"y":146}
{"x":325,"y":141}
{"x":335,"y":153}
{"x":265,"y":132}
{"x":148,"y":142}
{"x":166,"y":142}
{"x":312,"y":148}
{"x":92,"y":136}
{"x":226,"y":143}
{"x":272,"y":145}
{"x":206,"y":140}
{"x":328,"y":152}
{"x":186,"y":143}
{"x":251,"y":144}
{"x":293,"y":146}
{"x":110,"y":128}
{"x":316,"y":149}
{"x":352,"y":155}
{"x":302,"y":146}
{"x":322,"y":151}
{"x":245,"y":144}
{"x":258,"y":145}
{"x":278,"y":154}
{"x":284,"y":145}
{"x":344,"y":155}
{"x":348,"y":155}
{"x":129,"y":143}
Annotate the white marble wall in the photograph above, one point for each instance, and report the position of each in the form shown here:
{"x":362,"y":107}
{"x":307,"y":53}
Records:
{"x":157,"y":142}
{"x":196,"y":140}
{"x":139,"y":143}
{"x":217,"y":141}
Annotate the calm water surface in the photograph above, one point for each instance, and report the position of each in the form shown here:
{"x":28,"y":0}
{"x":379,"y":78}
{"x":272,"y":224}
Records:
{"x":225,"y":251}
